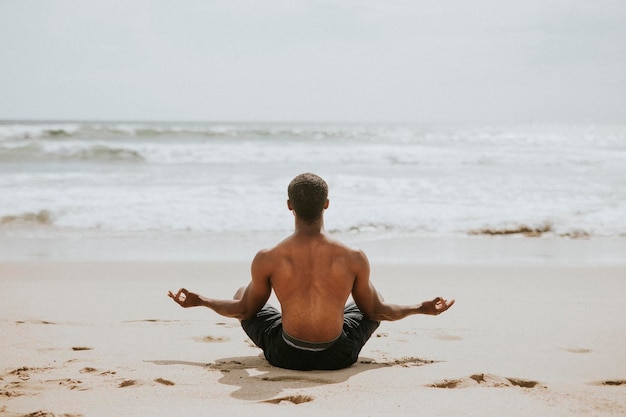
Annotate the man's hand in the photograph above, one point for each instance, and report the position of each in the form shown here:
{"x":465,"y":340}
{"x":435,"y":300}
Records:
{"x":436,"y":306}
{"x":185,"y":298}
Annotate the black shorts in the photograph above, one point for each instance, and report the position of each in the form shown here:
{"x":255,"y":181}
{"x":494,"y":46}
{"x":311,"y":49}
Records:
{"x":284,"y":351}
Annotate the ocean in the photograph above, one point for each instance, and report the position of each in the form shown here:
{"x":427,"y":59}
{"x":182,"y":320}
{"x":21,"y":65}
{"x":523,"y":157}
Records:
{"x":210,"y":180}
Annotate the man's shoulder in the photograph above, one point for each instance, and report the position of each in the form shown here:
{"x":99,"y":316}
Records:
{"x":343,"y":250}
{"x":359,"y":255}
{"x":272,"y":253}
{"x":264,"y":254}
{"x":344,"y":247}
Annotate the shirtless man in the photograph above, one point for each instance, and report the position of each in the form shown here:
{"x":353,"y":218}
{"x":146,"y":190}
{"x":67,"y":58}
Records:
{"x":312,"y":276}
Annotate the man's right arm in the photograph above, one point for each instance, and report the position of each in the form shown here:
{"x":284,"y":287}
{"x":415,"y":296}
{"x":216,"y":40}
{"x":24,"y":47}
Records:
{"x":372,"y":304}
{"x":242,"y":308}
{"x":248,"y":300}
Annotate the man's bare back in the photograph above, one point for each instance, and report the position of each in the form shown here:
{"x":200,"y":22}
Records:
{"x":312,"y":277}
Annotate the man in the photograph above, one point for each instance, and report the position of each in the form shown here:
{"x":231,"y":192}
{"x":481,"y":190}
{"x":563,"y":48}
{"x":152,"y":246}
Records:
{"x":312,"y":276}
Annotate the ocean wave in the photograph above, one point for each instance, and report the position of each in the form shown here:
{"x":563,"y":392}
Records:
{"x":55,"y":133}
{"x":435,"y":137}
{"x":38,"y":152}
{"x":38,"y":130}
{"x":42,"y":217}
{"x":19,"y":152}
{"x":106,"y":153}
{"x":91,"y":130}
{"x":472,"y":183}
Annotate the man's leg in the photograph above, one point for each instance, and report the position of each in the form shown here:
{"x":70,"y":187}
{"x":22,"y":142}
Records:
{"x":239,"y":294}
{"x":356,"y":326}
{"x":261,"y":327}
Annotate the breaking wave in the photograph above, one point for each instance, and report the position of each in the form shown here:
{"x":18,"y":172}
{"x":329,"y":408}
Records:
{"x":91,"y":130}
{"x":37,"y":152}
{"x":105,"y":153}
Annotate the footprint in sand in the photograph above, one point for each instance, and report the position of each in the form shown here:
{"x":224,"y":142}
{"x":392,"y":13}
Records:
{"x":107,"y":373}
{"x":230,"y":325}
{"x":133,"y":382}
{"x":577,"y":350}
{"x":486,"y":380}
{"x":610,"y":383}
{"x":211,"y":339}
{"x":42,"y":413}
{"x":127,"y":383}
{"x":164,"y":382}
{"x":12,"y":389}
{"x":72,"y":384}
{"x":34,"y":322}
{"x":24,"y":372}
{"x":18,"y":382}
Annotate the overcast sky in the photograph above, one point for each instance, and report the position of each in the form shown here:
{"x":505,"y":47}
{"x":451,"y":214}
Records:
{"x":313,"y":60}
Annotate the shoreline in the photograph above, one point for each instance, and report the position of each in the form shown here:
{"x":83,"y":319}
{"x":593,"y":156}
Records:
{"x":28,"y":245}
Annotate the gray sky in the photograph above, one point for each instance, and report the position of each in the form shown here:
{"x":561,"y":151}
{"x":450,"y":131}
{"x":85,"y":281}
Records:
{"x":313,"y":60}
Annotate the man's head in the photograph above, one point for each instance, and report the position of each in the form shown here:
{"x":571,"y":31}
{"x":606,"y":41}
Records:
{"x":308,"y":196}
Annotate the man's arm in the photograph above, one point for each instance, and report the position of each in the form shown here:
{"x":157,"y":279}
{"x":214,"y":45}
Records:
{"x":373,"y":306}
{"x":247,"y":301}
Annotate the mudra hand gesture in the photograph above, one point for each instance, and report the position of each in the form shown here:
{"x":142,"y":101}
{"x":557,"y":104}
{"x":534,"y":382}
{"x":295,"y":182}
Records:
{"x":185,"y":298}
{"x":436,"y":306}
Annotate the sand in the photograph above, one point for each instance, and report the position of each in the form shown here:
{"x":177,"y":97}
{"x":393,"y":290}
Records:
{"x":103,"y":339}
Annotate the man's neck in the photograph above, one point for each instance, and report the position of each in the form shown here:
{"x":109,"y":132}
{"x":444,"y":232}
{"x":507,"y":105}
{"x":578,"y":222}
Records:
{"x":309,"y":229}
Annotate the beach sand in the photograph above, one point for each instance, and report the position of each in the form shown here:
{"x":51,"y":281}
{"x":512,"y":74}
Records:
{"x":103,"y":339}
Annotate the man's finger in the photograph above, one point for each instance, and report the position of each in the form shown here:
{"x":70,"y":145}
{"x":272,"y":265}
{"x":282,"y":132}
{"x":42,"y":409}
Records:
{"x":448,"y":304}
{"x":180,"y":296}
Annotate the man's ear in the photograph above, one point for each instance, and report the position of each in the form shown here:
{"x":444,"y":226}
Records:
{"x":326,"y":204}
{"x":289,"y":206}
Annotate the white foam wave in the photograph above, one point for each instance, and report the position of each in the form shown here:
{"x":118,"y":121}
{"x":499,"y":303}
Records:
{"x":101,"y":130}
{"x":31,"y":151}
{"x":160,"y":177}
{"x":37,"y":130}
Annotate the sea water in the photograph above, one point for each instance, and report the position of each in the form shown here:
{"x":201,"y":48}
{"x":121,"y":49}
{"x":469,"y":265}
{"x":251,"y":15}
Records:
{"x":230,"y":179}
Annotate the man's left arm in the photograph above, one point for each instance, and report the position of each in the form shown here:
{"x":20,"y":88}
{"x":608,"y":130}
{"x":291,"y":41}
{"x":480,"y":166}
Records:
{"x":373,"y":306}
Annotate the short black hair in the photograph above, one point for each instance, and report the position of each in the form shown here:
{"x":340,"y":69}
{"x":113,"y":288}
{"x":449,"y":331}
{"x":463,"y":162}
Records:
{"x":308,"y":194}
